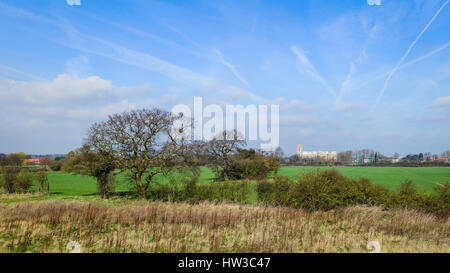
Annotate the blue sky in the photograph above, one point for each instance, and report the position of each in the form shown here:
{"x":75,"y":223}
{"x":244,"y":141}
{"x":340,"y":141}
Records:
{"x":347,"y":75}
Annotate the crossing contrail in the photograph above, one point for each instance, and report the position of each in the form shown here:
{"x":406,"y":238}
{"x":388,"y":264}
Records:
{"x":399,"y":64}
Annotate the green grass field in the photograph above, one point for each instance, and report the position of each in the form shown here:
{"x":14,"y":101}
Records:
{"x":389,"y":177}
{"x":426,"y":179}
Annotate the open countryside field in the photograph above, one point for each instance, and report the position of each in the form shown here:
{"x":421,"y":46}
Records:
{"x":141,"y":226}
{"x":389,"y":177}
{"x":426,"y":179}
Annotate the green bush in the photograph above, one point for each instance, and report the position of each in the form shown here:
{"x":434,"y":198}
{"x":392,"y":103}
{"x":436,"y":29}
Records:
{"x":24,"y":181}
{"x":56,"y":166}
{"x":265,"y":190}
{"x":180,"y":187}
{"x":322,"y":190}
{"x":42,"y":180}
{"x":362,"y":191}
{"x":408,"y":196}
{"x":13,"y":179}
{"x":166,"y":193}
{"x":248,"y":164}
{"x":439,"y":204}
{"x":228,"y":191}
{"x":8,"y":181}
{"x":278,"y":193}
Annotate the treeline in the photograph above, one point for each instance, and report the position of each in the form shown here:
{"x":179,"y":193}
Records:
{"x":369,"y":157}
{"x":407,"y":164}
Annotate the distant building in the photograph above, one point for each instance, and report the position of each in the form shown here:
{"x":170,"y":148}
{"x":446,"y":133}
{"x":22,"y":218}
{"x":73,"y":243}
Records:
{"x":394,"y":159}
{"x":436,"y":158}
{"x":319,"y":155}
{"x":33,"y":161}
{"x":443,"y":158}
{"x":367,"y":160}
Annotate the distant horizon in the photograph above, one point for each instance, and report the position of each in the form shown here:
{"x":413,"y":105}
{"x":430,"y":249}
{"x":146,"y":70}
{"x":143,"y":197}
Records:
{"x":347,"y":75}
{"x":285,"y":155}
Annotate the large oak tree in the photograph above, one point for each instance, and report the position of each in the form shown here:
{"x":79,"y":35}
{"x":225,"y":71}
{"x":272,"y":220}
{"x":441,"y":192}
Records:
{"x":142,"y":143}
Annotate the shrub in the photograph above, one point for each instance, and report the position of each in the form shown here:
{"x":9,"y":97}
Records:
{"x":265,"y":190}
{"x":8,"y":181}
{"x":228,"y":191}
{"x":278,"y":193}
{"x":56,"y":166}
{"x":407,"y":196}
{"x":362,"y":191}
{"x":443,"y":193}
{"x":322,"y":190}
{"x":181,"y":185}
{"x":191,"y":191}
{"x":42,"y":179}
{"x":24,"y":181}
{"x":439,"y":204}
{"x":9,"y":173}
{"x":100,"y":165}
{"x":248,"y":164}
{"x":166,"y":193}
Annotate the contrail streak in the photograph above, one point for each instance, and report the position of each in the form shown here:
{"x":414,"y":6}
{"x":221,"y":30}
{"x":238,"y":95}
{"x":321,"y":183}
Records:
{"x":437,"y":50}
{"x":386,"y":83}
{"x":306,"y":67}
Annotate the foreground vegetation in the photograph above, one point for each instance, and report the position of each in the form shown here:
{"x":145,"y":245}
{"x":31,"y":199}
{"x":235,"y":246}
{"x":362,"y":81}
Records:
{"x":320,"y":211}
{"x":140,"y":226}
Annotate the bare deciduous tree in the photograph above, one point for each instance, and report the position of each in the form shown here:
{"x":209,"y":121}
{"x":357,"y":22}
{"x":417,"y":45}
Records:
{"x":141,"y":142}
{"x":221,"y":149}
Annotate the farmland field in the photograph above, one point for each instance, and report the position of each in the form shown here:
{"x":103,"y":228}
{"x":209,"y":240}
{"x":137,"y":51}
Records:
{"x":426,"y":179}
{"x":389,"y":177}
{"x":34,"y":222}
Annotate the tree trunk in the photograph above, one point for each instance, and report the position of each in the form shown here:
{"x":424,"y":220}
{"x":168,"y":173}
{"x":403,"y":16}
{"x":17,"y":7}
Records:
{"x":140,"y":187}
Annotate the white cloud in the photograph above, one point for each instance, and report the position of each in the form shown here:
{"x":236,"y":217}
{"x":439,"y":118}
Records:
{"x":442,"y":102}
{"x":68,"y":97}
{"x":62,"y":88}
{"x":73,"y":2}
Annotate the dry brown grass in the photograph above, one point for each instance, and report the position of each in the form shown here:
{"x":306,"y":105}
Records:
{"x":5,"y":196}
{"x":47,"y":226}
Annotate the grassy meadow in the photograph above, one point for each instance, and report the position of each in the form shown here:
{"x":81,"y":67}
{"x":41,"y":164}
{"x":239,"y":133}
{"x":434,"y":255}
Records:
{"x":35,"y":222}
{"x":139,"y":226}
{"x":390,"y":177}
{"x":64,"y":184}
